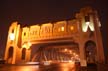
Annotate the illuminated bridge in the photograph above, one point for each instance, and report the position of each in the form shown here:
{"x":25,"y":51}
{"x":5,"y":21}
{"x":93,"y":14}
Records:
{"x":77,"y":39}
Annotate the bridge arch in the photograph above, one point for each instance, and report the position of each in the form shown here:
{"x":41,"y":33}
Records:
{"x":57,"y":52}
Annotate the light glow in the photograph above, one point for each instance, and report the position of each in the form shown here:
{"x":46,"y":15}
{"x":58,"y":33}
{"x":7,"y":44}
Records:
{"x":29,"y":44}
{"x":87,"y":25}
{"x":12,"y":36}
{"x":26,"y":45}
{"x":65,"y":50}
{"x":99,"y":24}
{"x":72,"y":28}
{"x":62,"y":28}
{"x":70,"y":51}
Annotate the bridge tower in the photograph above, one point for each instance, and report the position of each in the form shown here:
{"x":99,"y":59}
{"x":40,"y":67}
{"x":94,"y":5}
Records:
{"x":13,"y":52}
{"x":12,"y":49}
{"x":90,"y":39}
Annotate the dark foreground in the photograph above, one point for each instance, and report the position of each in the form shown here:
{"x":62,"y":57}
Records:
{"x":53,"y":67}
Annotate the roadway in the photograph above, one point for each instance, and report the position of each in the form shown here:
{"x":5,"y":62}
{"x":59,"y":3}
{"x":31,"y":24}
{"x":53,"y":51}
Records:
{"x":32,"y":67}
{"x":52,"y":67}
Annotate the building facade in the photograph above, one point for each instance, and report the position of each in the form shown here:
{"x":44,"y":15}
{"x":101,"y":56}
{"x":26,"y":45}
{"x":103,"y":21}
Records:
{"x":84,"y":31}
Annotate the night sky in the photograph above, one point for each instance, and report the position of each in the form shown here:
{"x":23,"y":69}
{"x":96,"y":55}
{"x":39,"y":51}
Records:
{"x":29,"y":12}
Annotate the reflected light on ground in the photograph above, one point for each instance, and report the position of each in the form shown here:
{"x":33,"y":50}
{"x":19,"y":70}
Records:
{"x":28,"y":68}
{"x":68,"y":66}
{"x":65,"y":69}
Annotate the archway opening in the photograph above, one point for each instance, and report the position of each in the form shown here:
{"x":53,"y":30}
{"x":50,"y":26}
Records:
{"x":90,"y":52}
{"x":23,"y":54}
{"x":10,"y":55}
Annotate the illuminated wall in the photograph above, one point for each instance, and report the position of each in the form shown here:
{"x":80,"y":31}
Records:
{"x":50,"y":30}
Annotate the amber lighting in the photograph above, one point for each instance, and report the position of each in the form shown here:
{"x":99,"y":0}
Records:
{"x":72,"y":28}
{"x":65,"y":50}
{"x":26,"y":45}
{"x":62,"y":28}
{"x":29,"y":44}
{"x":74,"y":53}
{"x":70,"y":51}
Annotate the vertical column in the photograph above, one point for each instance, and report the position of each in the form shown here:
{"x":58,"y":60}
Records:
{"x":82,"y":54}
{"x":28,"y":54}
{"x":98,"y":39}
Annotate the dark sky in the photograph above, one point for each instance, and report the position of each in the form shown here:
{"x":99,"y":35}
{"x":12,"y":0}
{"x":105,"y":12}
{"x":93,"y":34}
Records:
{"x":28,"y":12}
